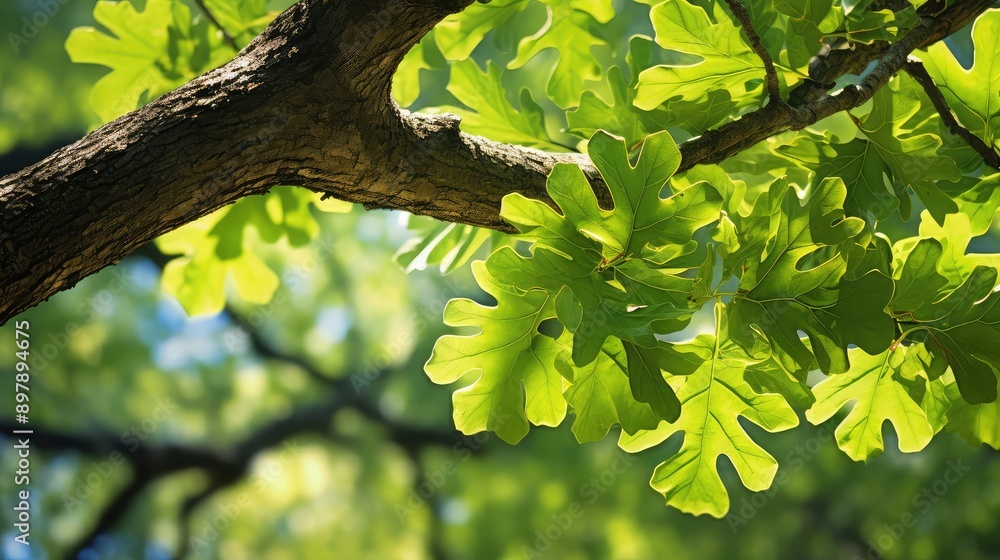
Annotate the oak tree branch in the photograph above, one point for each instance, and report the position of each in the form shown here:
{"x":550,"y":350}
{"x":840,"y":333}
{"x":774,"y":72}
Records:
{"x":308,"y":103}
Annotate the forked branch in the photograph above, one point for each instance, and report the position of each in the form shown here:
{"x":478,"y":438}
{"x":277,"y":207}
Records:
{"x":308,"y":103}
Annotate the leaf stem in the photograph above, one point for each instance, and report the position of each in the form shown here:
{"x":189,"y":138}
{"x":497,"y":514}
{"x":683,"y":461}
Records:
{"x":895,"y":343}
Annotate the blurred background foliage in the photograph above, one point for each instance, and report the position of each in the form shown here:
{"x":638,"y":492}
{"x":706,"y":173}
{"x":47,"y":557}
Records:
{"x":304,"y":427}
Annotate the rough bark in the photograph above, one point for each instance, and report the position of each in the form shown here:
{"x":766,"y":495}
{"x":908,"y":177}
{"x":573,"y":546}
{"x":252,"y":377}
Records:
{"x":308,"y":103}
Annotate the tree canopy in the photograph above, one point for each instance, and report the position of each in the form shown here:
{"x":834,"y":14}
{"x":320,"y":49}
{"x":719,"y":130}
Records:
{"x":701,"y":221}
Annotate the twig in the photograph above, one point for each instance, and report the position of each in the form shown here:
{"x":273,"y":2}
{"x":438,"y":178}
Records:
{"x":894,"y":5}
{"x":719,"y":144}
{"x":211,"y":18}
{"x":842,"y":57}
{"x":405,"y":435}
{"x":741,"y":13}
{"x":111,"y":514}
{"x":918,"y":72}
{"x":191,"y":503}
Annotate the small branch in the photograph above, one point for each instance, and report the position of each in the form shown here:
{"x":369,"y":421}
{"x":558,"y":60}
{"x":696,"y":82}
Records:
{"x":211,"y":18}
{"x":741,"y":13}
{"x":152,"y":462}
{"x":404,"y":434}
{"x":217,"y":484}
{"x":111,"y":515}
{"x":267,"y":352}
{"x":918,"y":72}
{"x":894,"y":5}
{"x":731,"y":138}
{"x":841,"y":57}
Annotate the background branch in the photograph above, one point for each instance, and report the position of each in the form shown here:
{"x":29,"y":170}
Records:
{"x":225,"y":467}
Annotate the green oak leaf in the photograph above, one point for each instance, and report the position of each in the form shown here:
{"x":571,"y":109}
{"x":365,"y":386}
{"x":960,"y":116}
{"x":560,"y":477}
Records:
{"x":245,"y":19}
{"x":934,"y":400}
{"x":568,"y":31}
{"x":645,"y":375}
{"x":759,"y":165}
{"x":791,"y":40}
{"x":977,"y":423}
{"x":955,"y":235}
{"x":445,"y":244}
{"x":973,"y":94}
{"x":406,"y":80}
{"x":537,"y":222}
{"x":879,"y":393}
{"x":197,"y":278}
{"x":749,"y":228}
{"x":694,"y":117}
{"x":517,"y":381}
{"x":822,"y":14}
{"x":600,"y":395}
{"x":149,"y":52}
{"x":726,"y":61}
{"x":640,"y":219}
{"x":770,"y":377}
{"x":602,"y":11}
{"x":619,"y":116}
{"x":864,"y":257}
{"x":909,"y":152}
{"x":858,"y":163}
{"x":713,"y":398}
{"x":890,"y":145}
{"x":920,"y":362}
{"x":785,"y":288}
{"x":459,"y":34}
{"x":865,"y":25}
{"x":491,"y":114}
{"x":978,"y":198}
{"x":630,"y":301}
{"x":918,"y":282}
{"x":933,"y":276}
{"x":809,"y":23}
{"x":963,"y":329}
{"x":217,"y":246}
